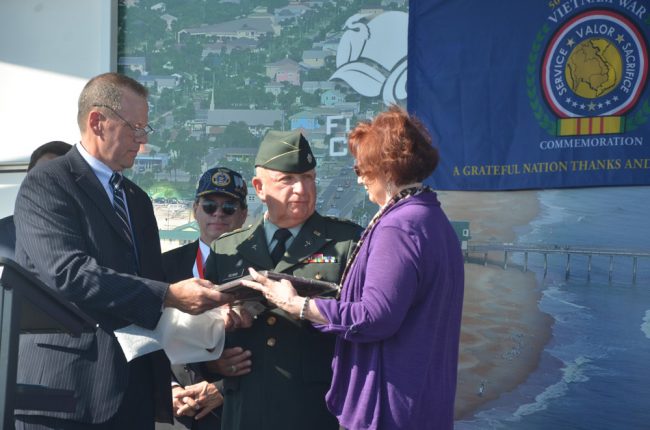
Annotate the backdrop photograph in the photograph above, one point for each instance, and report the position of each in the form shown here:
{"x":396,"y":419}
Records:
{"x":540,"y":112}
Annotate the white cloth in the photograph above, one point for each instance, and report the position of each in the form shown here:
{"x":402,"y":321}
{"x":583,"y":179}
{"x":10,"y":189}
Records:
{"x":185,"y":338}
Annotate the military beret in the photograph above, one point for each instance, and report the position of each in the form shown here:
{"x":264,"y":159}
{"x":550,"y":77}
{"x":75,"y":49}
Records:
{"x":285,"y":151}
{"x":221,"y":180}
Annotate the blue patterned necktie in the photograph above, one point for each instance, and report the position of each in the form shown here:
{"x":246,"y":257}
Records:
{"x":119,"y":204}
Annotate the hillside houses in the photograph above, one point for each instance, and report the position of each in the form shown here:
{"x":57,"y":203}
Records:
{"x":312,"y":119}
{"x":244,"y":28}
{"x":257,"y":120}
{"x":312,"y":86}
{"x":291,"y":11}
{"x":134,"y":64}
{"x":330,"y":44}
{"x":274,"y":88}
{"x":160,"y":81}
{"x":332,"y":98}
{"x":220,"y":156}
{"x":285,"y":70}
{"x":227,"y":46}
{"x":315,"y":59}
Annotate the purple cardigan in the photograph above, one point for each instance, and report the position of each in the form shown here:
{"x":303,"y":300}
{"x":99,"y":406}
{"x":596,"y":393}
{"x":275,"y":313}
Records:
{"x":398,"y":323}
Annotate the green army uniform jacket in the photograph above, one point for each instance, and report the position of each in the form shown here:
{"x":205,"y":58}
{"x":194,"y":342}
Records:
{"x":292,"y":361}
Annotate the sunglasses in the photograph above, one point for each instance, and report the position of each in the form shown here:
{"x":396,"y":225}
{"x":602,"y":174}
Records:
{"x":210,"y":207}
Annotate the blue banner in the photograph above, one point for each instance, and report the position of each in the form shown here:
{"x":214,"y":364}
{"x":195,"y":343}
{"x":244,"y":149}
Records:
{"x":532,"y":94}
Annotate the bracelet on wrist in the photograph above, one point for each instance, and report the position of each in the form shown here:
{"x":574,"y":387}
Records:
{"x":303,"y":310}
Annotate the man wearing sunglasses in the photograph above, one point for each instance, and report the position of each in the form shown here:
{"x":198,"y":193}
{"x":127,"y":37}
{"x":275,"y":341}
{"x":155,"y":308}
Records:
{"x":291,"y":369}
{"x":219,"y":207}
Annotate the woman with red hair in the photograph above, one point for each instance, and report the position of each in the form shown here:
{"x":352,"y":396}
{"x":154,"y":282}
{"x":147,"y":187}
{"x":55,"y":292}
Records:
{"x":398,"y":316}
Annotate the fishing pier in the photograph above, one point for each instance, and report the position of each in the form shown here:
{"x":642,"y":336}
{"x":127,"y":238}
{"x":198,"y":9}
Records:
{"x":508,"y":249}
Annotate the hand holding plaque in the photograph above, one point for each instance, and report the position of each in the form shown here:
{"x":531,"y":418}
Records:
{"x":304,"y":286}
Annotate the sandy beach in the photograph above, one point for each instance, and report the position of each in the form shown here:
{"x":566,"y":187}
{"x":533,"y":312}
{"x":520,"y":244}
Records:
{"x":503,"y":332}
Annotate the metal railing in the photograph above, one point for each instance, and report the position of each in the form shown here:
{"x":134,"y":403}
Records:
{"x":568,"y":250}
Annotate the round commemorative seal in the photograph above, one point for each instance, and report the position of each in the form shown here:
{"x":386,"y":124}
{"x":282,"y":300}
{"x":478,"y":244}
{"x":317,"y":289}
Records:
{"x":595,"y":65}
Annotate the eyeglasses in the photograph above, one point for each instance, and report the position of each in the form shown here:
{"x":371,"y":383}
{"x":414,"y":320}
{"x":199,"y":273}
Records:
{"x":357,"y":171}
{"x":210,"y":207}
{"x":137,"y":131}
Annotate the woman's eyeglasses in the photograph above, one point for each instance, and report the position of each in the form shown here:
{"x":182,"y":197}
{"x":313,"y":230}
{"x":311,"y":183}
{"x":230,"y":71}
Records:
{"x":357,"y":171}
{"x":210,"y":207}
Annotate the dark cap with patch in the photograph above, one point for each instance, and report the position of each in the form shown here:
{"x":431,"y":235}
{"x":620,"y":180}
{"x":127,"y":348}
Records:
{"x":221,"y":180}
{"x":285,"y":151}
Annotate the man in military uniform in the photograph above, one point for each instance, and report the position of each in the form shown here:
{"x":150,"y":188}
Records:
{"x":291,"y":369}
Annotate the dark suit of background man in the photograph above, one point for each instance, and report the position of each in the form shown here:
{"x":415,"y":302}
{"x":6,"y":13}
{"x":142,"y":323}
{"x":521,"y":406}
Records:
{"x":70,"y":236}
{"x":219,"y":207}
{"x":45,"y":152}
{"x":291,"y":362}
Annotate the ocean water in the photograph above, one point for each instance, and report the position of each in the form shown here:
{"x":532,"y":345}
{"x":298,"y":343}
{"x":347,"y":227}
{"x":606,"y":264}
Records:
{"x":595,"y":372}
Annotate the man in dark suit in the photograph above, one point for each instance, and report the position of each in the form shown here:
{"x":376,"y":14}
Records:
{"x":45,"y":152}
{"x":90,"y":234}
{"x":291,"y":361}
{"x":219,"y":207}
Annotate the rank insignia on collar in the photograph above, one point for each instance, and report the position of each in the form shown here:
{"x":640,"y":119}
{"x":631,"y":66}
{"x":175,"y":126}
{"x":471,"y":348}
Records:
{"x":307,"y":243}
{"x":317,"y":233}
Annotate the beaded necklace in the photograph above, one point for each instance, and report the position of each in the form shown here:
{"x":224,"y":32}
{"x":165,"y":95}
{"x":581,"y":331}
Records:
{"x":403,"y":194}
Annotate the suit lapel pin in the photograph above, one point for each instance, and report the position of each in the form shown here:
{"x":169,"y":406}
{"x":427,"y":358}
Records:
{"x":317,"y":233}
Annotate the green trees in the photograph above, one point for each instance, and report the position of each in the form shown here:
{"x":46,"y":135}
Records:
{"x":236,"y":134}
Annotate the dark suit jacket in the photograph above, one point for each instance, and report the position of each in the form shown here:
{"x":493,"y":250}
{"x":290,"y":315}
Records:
{"x":7,"y":237}
{"x":70,"y":238}
{"x":292,"y":361}
{"x":178,"y":264}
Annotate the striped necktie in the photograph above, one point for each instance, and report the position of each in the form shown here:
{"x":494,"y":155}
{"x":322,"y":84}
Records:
{"x":119,"y":204}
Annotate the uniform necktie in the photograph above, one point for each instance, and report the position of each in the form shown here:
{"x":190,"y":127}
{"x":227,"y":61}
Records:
{"x":119,"y":204}
{"x":281,"y":235}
